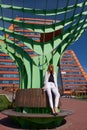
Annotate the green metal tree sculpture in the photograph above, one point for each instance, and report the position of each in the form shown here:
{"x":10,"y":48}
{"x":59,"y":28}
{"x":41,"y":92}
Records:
{"x":70,"y":17}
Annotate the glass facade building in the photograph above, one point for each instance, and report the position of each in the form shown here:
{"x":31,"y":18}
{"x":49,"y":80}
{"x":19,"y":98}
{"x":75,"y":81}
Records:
{"x":8,"y":73}
{"x":72,"y":74}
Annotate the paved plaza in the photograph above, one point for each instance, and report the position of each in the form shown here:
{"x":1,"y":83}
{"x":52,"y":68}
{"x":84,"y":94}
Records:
{"x":76,"y":121}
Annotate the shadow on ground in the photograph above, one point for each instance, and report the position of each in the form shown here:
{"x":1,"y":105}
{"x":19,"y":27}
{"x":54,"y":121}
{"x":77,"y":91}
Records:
{"x":7,"y":122}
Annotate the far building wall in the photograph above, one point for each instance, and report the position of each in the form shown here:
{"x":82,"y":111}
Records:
{"x":72,"y":74}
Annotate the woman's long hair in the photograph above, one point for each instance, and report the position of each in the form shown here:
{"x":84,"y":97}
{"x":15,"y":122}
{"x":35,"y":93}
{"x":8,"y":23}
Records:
{"x":50,"y":68}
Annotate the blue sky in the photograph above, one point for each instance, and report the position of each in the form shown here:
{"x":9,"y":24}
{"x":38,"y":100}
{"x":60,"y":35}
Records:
{"x":80,"y":49}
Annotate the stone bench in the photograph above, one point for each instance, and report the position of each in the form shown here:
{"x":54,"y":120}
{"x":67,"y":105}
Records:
{"x":31,"y":98}
{"x":32,"y":101}
{"x":32,"y":110}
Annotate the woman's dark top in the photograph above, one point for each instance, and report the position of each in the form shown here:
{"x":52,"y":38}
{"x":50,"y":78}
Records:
{"x":51,"y":78}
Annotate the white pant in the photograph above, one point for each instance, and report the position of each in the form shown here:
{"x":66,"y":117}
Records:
{"x":50,"y":87}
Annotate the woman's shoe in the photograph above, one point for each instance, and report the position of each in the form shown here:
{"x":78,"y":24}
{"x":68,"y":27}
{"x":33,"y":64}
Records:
{"x":54,"y":114}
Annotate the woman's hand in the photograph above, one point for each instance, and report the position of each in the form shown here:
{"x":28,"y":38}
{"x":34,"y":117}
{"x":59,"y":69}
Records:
{"x":44,"y":88}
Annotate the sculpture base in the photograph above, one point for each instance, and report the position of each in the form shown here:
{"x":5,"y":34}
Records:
{"x":37,"y":120}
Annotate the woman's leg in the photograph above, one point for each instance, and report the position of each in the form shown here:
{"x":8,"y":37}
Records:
{"x":57,"y":96}
{"x":49,"y":94}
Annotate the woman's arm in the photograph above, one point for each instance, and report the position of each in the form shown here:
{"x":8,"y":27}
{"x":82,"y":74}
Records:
{"x":45,"y":78}
{"x":45,"y":81}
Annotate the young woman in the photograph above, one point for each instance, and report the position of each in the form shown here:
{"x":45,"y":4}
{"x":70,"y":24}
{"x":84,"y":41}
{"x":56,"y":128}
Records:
{"x":50,"y":85}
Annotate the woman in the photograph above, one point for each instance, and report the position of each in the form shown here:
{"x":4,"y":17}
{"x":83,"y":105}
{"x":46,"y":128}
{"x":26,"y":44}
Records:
{"x":50,"y":85}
